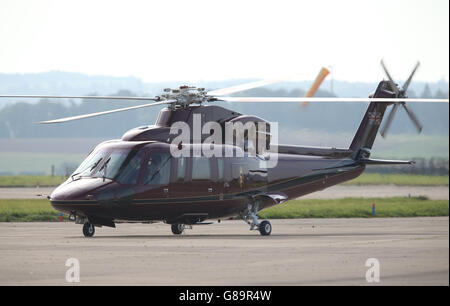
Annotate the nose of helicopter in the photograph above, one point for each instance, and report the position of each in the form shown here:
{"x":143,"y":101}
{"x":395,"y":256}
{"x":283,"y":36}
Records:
{"x":71,"y":195}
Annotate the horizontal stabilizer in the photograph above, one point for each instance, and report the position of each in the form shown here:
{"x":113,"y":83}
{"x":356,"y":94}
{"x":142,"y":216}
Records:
{"x":369,"y":161}
{"x":312,"y":151}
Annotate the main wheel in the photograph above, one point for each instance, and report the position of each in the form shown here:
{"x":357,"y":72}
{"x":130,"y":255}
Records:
{"x":265,"y":228}
{"x":88,"y":229}
{"x":177,"y":228}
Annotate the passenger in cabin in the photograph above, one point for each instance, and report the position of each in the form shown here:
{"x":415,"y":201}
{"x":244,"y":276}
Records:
{"x":248,"y":143}
{"x":153,"y":168}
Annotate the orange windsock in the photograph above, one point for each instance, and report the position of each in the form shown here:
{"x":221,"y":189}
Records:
{"x":316,"y":84}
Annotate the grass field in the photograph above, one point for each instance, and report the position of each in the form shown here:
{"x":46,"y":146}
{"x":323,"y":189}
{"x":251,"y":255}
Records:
{"x":27,"y":211}
{"x":31,"y":180}
{"x":41,"y":210}
{"x":365,"y":179}
{"x":358,"y":208}
{"x":399,"y":180}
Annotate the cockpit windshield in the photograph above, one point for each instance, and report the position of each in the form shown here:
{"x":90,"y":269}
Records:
{"x":121,"y":165}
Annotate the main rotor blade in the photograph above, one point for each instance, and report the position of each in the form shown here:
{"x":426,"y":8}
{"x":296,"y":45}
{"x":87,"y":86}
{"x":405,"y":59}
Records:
{"x":391,"y":81}
{"x":243,"y":87}
{"x":316,"y":84}
{"x":79,"y":97}
{"x":413,"y":117}
{"x":105,"y":112}
{"x":306,"y":99}
{"x":408,"y":81}
{"x":389,"y":119}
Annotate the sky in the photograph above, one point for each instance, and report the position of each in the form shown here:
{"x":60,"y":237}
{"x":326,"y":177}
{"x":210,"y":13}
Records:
{"x":217,"y":40}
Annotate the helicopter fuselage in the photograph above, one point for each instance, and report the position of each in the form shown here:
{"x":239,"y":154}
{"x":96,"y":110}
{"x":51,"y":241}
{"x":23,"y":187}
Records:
{"x":190,"y":190}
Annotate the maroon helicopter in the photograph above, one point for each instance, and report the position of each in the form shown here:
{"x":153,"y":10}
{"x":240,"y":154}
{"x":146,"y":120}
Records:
{"x":140,"y":178}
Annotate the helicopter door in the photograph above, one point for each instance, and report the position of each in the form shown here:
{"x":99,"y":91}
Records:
{"x":127,"y":176}
{"x":203,"y":176}
{"x":156,"y":176}
{"x":179,"y":185}
{"x":195,"y":177}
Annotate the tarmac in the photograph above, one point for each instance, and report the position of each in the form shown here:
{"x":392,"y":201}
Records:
{"x":407,"y":251}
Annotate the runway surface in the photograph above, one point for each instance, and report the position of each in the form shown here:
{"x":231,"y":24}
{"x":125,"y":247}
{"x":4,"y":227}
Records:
{"x":411,"y":251}
{"x":335,"y":192}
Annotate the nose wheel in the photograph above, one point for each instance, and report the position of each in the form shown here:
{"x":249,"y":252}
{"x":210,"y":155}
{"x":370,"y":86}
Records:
{"x":177,"y":228}
{"x":88,"y":229}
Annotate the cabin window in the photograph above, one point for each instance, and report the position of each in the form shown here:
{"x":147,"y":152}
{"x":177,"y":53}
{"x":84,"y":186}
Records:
{"x":220,"y":169}
{"x":181,"y":169}
{"x":157,"y":169}
{"x":126,"y":167}
{"x":201,"y":168}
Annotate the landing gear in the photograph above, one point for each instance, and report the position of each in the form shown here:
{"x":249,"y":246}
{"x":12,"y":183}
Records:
{"x":88,"y":229}
{"x":251,"y":218}
{"x":177,"y":228}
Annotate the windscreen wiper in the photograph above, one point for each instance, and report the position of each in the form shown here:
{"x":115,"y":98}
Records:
{"x":96,"y":164}
{"x":72,"y":176}
{"x":92,"y":168}
{"x":105,"y":166}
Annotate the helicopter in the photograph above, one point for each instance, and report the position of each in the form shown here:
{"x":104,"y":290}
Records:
{"x":154,"y":174}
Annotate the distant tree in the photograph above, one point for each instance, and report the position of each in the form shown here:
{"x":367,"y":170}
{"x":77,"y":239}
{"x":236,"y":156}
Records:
{"x":440,"y":94}
{"x":426,"y":94}
{"x":412,"y":93}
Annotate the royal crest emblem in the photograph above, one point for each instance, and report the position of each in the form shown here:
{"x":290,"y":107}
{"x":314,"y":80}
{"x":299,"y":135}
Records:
{"x":375,"y":118}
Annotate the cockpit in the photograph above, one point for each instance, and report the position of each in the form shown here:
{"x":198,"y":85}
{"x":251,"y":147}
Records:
{"x":126,"y":165}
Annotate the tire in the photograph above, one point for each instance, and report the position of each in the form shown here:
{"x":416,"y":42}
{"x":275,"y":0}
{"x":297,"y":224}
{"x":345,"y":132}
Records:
{"x":265,"y":228}
{"x":88,"y":229}
{"x":177,"y":228}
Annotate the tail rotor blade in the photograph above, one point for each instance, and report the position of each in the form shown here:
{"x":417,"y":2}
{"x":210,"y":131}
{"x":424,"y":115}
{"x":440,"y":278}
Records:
{"x":389,"y":120}
{"x":408,"y":81}
{"x":391,"y":81}
{"x":413,"y":118}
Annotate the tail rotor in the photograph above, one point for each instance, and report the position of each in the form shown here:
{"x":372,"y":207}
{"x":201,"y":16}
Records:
{"x":400,"y":93}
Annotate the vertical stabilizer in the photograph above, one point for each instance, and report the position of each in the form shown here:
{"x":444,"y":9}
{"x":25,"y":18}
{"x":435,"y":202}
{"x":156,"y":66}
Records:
{"x":368,"y":129}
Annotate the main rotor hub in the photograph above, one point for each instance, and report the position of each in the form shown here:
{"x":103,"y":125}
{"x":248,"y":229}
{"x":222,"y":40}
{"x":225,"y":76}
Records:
{"x":186,"y":95}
